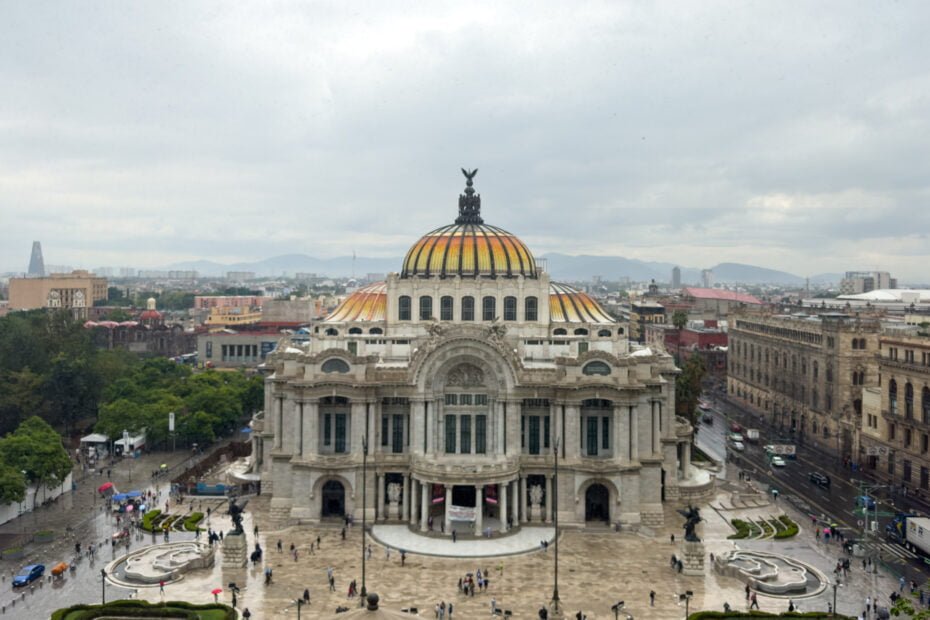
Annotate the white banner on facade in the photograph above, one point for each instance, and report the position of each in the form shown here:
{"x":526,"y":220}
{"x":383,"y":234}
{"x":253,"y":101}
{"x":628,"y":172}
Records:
{"x":461,"y":513}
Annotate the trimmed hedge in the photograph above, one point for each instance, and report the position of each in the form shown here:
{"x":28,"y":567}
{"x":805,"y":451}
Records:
{"x":149,"y":519}
{"x":144,"y":609}
{"x":791,"y":528}
{"x":742,"y":529}
{"x":190,"y":523}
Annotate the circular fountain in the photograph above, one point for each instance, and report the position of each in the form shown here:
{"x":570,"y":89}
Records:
{"x":166,"y":562}
{"x":771,"y":573}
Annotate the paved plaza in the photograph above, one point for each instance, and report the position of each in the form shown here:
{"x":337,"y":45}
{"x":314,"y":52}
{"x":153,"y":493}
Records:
{"x":597,"y":567}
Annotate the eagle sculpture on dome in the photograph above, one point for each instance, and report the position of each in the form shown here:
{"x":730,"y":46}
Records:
{"x":469,"y":175}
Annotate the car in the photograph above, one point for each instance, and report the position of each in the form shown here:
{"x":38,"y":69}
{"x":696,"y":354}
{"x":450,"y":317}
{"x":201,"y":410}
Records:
{"x":777,"y":461}
{"x":768,"y":449}
{"x":739,"y":446}
{"x":735,"y":428}
{"x":707,"y":419}
{"x":865,"y":501}
{"x":28,"y":574}
{"x":703,"y":406}
{"x":735,"y":437}
{"x":819,"y":479}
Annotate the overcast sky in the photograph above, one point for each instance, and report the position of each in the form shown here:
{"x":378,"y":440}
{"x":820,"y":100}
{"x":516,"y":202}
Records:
{"x":789,"y":135}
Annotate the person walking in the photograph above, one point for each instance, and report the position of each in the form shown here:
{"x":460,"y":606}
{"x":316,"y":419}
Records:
{"x":306,"y":596}
{"x":753,"y":601}
{"x":652,"y":598}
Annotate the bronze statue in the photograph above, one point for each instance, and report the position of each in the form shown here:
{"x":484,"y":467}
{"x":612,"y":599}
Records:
{"x":693,"y":517}
{"x":235,"y":511}
{"x":469,"y":175}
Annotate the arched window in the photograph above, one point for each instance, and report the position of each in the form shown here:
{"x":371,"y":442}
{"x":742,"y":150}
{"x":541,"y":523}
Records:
{"x":620,"y":331}
{"x":510,"y":308}
{"x":334,"y":364}
{"x":816,"y":369}
{"x":426,"y":308}
{"x":332,"y":331}
{"x":445,"y":308}
{"x":596,"y":368}
{"x":581,"y":331}
{"x":815,"y":400}
{"x":375,"y":330}
{"x":828,"y":375}
{"x":908,"y":400}
{"x":603,"y":333}
{"x":925,"y":405}
{"x":530,"y":309}
{"x":355,"y":330}
{"x":488,"y":308}
{"x":559,"y":331}
{"x":855,"y":343}
{"x":893,"y":397}
{"x":862,"y":343}
{"x":403,"y":308}
{"x":468,"y":308}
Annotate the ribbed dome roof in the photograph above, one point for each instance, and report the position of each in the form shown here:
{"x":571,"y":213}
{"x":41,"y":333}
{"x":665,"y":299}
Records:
{"x":469,"y":247}
{"x":469,"y":250}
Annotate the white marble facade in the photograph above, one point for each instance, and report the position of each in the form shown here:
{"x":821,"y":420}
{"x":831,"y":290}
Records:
{"x":462,"y":375}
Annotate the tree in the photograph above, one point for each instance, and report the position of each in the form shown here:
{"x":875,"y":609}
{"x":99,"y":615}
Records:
{"x":73,"y":389}
{"x":12,"y":484}
{"x":688,"y":388}
{"x":36,"y":450}
{"x":679,"y":319}
{"x":20,"y":396}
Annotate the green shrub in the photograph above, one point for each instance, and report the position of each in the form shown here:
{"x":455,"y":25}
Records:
{"x":144,"y":609}
{"x":149,"y":519}
{"x":791,"y":528}
{"x":742,"y":529}
{"x":190,"y":523}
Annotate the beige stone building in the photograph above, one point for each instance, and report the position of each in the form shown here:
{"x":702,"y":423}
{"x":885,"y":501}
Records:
{"x":461,"y":374}
{"x":75,"y":291}
{"x":896,"y":412}
{"x":805,"y":373}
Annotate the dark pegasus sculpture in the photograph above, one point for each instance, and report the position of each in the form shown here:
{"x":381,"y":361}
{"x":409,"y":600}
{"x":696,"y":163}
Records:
{"x":693,"y":517}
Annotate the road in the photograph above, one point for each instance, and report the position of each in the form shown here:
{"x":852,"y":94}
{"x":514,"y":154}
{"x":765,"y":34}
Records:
{"x":836,"y":504}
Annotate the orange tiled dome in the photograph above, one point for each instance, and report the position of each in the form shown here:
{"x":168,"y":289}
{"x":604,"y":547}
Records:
{"x":469,"y":250}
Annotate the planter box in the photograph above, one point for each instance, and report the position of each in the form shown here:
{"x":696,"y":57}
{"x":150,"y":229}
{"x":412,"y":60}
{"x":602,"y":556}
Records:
{"x":13,"y":554}
{"x":44,"y":537}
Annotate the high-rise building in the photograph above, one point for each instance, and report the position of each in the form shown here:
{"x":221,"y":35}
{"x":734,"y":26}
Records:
{"x":36,"y":262}
{"x":707,"y":278}
{"x":856,"y":282}
{"x":676,"y":277}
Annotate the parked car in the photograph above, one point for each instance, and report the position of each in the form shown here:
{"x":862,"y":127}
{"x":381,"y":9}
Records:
{"x":819,"y":479}
{"x":777,"y":461}
{"x":735,"y":428}
{"x":739,"y":446}
{"x":707,"y":418}
{"x":735,"y":437}
{"x":28,"y":574}
{"x":865,"y":501}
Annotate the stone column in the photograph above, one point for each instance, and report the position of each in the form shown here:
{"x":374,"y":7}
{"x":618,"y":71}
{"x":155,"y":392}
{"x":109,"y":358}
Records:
{"x":448,"y":522}
{"x":279,"y":423}
{"x":503,"y":506}
{"x":634,"y":433}
{"x":479,"y":509}
{"x":621,"y":435}
{"x":656,"y":431}
{"x":524,"y":513}
{"x":416,"y":427}
{"x":405,"y":500}
{"x":499,"y":415}
{"x":357,"y":427}
{"x":300,"y":429}
{"x":424,"y":506}
{"x":572,"y":431}
{"x":515,"y":502}
{"x":311,"y":428}
{"x":379,"y":481}
{"x":686,"y":460}
{"x":414,"y":487}
{"x":548,"y":499}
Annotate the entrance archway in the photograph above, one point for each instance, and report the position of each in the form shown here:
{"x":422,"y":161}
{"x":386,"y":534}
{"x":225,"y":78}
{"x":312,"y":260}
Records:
{"x":334,"y":499}
{"x":596,"y":503}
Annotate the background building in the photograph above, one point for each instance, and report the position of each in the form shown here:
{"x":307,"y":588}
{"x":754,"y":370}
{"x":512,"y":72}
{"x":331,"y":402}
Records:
{"x":463,"y":373}
{"x":864,"y":281}
{"x":707,"y":278}
{"x":676,"y":277}
{"x":74,"y":291}
{"x":804,"y":372}
{"x":36,"y":262}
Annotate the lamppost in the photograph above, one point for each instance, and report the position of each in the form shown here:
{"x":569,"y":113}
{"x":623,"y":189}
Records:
{"x":835,"y":585}
{"x":235,"y":591}
{"x":556,"y":611}
{"x":363,"y":593}
{"x":300,"y":603}
{"x":125,"y":450}
{"x":616,"y":607}
{"x":686,"y":597}
{"x":103,"y":586}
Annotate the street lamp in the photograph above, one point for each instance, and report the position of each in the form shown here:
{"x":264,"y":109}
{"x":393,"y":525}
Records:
{"x":616,"y":607}
{"x":300,"y":603}
{"x":103,"y":586}
{"x":835,"y":585}
{"x":556,"y":603}
{"x":235,"y":591}
{"x":125,"y":450}
{"x":686,"y":597}
{"x":364,"y":506}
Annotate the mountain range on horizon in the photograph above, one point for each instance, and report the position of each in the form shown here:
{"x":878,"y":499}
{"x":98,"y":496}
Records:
{"x":562,"y":267}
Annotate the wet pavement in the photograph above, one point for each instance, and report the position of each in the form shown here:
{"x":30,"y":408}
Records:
{"x":597,"y":567}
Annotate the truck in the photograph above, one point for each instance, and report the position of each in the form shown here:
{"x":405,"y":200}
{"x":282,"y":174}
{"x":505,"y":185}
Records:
{"x":784,"y":450}
{"x":752,"y":435}
{"x":911,"y":531}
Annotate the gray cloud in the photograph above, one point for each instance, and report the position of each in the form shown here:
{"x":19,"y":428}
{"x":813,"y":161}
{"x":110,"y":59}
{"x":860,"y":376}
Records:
{"x":790,"y":136}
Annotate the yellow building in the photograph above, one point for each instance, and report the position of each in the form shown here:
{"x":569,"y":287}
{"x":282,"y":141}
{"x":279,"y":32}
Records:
{"x":233,"y":316}
{"x":77,"y":291}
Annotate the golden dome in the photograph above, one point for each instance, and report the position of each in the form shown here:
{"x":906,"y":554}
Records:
{"x":366,"y":304}
{"x":469,"y":247}
{"x":469,"y":250}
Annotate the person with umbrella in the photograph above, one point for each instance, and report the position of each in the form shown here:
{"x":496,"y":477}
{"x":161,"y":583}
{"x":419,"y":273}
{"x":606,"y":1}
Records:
{"x":216,"y":593}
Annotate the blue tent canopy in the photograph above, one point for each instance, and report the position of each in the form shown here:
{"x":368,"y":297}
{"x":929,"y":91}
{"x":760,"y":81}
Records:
{"x":132,"y":494}
{"x":245,"y":429}
{"x":120,"y":497}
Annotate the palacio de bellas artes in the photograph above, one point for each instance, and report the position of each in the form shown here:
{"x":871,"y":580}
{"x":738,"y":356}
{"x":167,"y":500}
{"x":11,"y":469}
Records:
{"x":477,"y":396}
